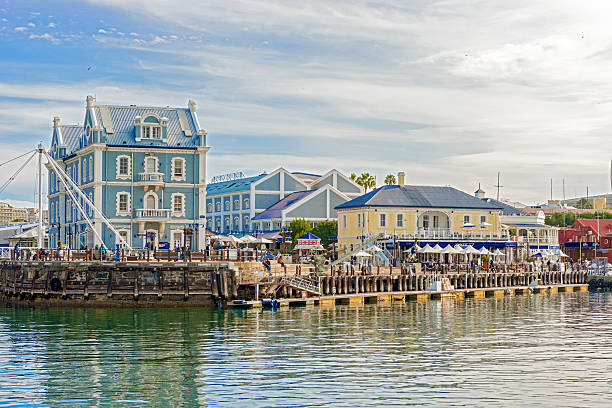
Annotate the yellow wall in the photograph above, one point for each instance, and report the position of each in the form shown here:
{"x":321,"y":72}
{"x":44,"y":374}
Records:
{"x":350,"y":234}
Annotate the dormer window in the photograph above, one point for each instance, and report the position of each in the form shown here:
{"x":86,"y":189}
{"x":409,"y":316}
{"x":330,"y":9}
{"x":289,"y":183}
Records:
{"x":150,"y":127}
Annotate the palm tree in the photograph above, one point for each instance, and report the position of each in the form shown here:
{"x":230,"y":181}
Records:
{"x":390,"y":179}
{"x":353,"y":176}
{"x":366,"y":180}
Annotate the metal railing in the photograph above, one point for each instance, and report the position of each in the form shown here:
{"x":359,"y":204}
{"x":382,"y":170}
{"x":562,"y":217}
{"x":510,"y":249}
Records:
{"x":153,"y":213}
{"x":151,"y":176}
{"x":302,"y":284}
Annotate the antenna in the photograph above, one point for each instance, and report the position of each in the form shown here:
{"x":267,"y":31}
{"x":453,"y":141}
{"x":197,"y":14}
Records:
{"x":498,"y":185}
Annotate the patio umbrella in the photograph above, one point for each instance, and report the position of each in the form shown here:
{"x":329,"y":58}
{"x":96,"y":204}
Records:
{"x":261,"y":240}
{"x":247,"y":239}
{"x":471,"y":250}
{"x":498,"y":253}
{"x":362,"y":254}
{"x":449,"y":250}
{"x":425,"y":250}
{"x":484,"y":251}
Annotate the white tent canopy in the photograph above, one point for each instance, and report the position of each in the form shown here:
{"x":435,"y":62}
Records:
{"x":261,"y":240}
{"x":362,"y":254}
{"x":247,"y":239}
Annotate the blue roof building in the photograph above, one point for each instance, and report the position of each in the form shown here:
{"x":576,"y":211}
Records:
{"x":144,"y":168}
{"x":267,"y":202}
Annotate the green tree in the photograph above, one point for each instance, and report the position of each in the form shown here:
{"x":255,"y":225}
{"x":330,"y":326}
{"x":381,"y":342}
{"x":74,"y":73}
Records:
{"x":298,"y":227}
{"x":390,"y":179}
{"x":366,"y":180}
{"x":353,"y":176}
{"x":584,"y":204}
{"x":325,"y":230}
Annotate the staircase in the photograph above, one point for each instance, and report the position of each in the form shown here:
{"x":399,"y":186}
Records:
{"x":302,"y":284}
{"x":365,"y":244}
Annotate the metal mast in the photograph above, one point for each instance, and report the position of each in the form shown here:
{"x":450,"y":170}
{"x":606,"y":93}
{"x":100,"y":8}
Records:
{"x":41,"y":232}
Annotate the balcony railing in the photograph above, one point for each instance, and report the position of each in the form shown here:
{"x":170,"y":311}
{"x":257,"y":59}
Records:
{"x":445,"y":233}
{"x":152,"y":213}
{"x":151,"y":177}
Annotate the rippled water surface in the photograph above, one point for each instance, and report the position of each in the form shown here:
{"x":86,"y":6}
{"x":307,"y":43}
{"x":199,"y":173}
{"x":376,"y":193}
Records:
{"x":539,"y":350}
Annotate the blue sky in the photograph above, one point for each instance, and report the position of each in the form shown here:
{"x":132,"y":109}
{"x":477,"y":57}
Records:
{"x":451,"y":92}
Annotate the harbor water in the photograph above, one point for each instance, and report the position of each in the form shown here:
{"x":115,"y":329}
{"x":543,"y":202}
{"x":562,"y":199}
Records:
{"x":536,"y":350}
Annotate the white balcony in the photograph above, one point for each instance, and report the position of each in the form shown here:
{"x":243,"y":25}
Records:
{"x":153,"y":213}
{"x":151,"y":177}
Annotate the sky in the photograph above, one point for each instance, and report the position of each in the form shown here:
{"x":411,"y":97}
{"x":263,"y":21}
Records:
{"x":450,"y":92}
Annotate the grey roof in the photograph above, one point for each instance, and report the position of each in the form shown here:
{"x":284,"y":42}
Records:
{"x":506,"y":208}
{"x":276,"y":211}
{"x":420,"y":197}
{"x":232,"y":185}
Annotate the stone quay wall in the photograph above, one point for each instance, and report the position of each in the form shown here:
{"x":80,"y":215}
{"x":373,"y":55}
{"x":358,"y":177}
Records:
{"x":116,"y":284}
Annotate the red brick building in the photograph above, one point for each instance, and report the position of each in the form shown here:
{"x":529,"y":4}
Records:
{"x":587,"y":239}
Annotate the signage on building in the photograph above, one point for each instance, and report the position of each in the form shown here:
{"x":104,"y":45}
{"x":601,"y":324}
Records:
{"x":227,"y":177}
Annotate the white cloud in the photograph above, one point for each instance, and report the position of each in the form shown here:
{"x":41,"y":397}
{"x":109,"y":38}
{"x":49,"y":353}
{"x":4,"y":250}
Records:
{"x":103,"y":31}
{"x":45,"y":36}
{"x":51,"y":25}
{"x":31,"y":25}
{"x":20,"y":29}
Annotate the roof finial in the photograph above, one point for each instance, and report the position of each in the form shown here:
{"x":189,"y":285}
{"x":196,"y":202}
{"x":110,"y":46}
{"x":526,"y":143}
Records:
{"x":90,"y":100}
{"x":56,"y":122}
{"x":192,"y":105}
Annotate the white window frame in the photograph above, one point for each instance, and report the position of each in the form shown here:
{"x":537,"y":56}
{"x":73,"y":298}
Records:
{"x":118,"y":173}
{"x":118,"y":211}
{"x":127,"y":237}
{"x":227,"y":222}
{"x":359,"y":220}
{"x":209,"y":224}
{"x":227,"y":205}
{"x":399,"y":220}
{"x":246,"y":221}
{"x":210,"y":207}
{"x":174,"y":167}
{"x":344,"y":221}
{"x":180,"y":213}
{"x":382,"y":220}
{"x":172,"y":233}
{"x":236,"y":222}
{"x":148,"y":131}
{"x":245,"y":204}
{"x":468,"y":218}
{"x":91,"y":211}
{"x":155,"y":168}
{"x":144,"y":200}
{"x":237,"y":204}
{"x":91,"y":169}
{"x":218,"y":206}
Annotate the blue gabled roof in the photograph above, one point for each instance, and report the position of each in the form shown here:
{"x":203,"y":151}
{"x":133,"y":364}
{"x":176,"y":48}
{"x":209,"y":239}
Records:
{"x":123,"y":117}
{"x":232,"y":185}
{"x":310,"y":235}
{"x":275,"y":210}
{"x":418,"y":196}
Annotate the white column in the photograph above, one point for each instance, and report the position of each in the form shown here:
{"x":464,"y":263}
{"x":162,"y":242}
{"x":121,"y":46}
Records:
{"x":201,"y":244}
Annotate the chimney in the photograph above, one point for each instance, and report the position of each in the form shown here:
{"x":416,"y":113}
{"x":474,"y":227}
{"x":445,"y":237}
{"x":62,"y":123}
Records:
{"x":56,"y":122}
{"x":192,"y":105}
{"x":400,"y":178}
{"x":90,"y":100}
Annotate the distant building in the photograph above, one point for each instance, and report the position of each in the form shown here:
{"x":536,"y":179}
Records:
{"x":587,"y":239}
{"x":12,"y":215}
{"x":267,"y":202}
{"x":143,"y":167}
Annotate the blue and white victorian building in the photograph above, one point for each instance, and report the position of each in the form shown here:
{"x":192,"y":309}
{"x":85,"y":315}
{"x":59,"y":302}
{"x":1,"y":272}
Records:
{"x":144,"y":168}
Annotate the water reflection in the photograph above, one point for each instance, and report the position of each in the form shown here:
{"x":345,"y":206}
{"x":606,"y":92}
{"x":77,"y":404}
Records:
{"x":524,"y":350}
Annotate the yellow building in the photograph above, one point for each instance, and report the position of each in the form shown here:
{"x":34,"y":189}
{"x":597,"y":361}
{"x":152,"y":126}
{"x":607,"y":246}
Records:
{"x":402,"y":215}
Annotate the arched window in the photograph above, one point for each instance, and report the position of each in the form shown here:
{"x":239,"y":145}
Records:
{"x":218,"y":205}
{"x":210,"y":207}
{"x":150,"y":201}
{"x":90,"y":168}
{"x":227,"y":206}
{"x":246,"y":204}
